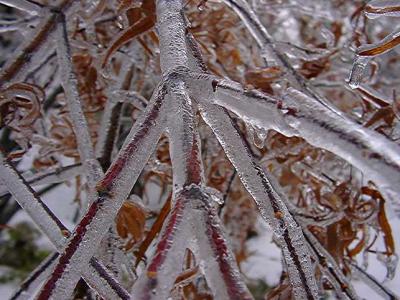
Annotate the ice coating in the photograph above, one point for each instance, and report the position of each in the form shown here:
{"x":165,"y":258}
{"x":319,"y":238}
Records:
{"x":369,"y":151}
{"x":190,"y":202}
{"x":26,"y":6}
{"x":18,"y":24}
{"x":53,"y":228}
{"x":42,"y":216}
{"x":70,"y":84}
{"x":113,"y":189}
{"x":184,"y":90}
{"x":383,"y":46}
{"x":28,"y":54}
{"x":271,"y":206}
{"x":111,"y":117}
{"x":30,"y":284}
{"x":372,"y":282}
{"x":185,"y":150}
{"x":379,"y":8}
{"x":266,"y":42}
{"x":376,"y":156}
{"x":49,"y":176}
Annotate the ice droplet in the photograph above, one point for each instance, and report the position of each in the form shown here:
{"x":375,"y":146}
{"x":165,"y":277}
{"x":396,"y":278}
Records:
{"x":357,"y":71}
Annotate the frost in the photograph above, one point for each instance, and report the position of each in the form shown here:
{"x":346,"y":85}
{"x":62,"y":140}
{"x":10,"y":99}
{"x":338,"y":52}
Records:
{"x":291,"y":145}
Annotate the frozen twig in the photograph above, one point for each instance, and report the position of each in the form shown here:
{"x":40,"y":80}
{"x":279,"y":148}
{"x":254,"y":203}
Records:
{"x":95,"y":275}
{"x":273,"y":209}
{"x":267,"y":44}
{"x":113,"y":189}
{"x":29,"y":53}
{"x":27,"y":6}
{"x":376,"y":156}
{"x":70,"y":84}
{"x":51,"y":176}
{"x":374,"y":283}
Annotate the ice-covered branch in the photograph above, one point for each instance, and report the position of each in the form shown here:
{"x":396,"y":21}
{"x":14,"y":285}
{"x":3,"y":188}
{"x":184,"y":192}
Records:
{"x":95,"y":275}
{"x":110,"y":119}
{"x":329,"y":267}
{"x":365,"y":53}
{"x":30,"y":53}
{"x":267,"y":44}
{"x":376,"y":156}
{"x":51,"y":176}
{"x":27,"y":6}
{"x":373,"y":283}
{"x":35,"y":278}
{"x":192,"y":207}
{"x":70,"y":84}
{"x":113,"y":189}
{"x":273,"y":209}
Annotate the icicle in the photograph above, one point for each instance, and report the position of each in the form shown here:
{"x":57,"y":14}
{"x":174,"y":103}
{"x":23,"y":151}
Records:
{"x":390,"y":262}
{"x":357,"y":71}
{"x":376,"y":156}
{"x":366,"y":52}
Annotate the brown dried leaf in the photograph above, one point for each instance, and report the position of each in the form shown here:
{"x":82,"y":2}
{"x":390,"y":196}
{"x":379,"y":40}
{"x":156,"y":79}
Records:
{"x":130,"y":222}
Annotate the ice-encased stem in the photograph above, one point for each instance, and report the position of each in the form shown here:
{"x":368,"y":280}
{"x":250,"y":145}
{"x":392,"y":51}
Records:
{"x":217,"y":259}
{"x":372,"y":153}
{"x":112,"y":190}
{"x":381,"y":8}
{"x":184,"y":140}
{"x":96,"y":275}
{"x":272,"y":207}
{"x":57,"y":175}
{"x":372,"y":282}
{"x":28,"y":286}
{"x":26,"y":6}
{"x":190,"y":202}
{"x":32,"y":204}
{"x":266,"y":42}
{"x":79,"y":124}
{"x":166,"y":264}
{"x":28,"y":52}
{"x":108,"y":131}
